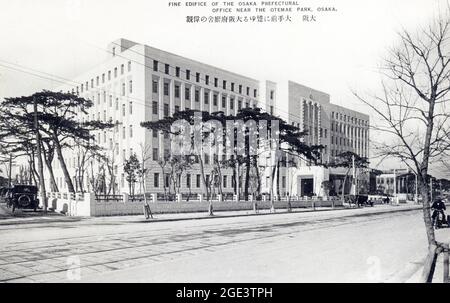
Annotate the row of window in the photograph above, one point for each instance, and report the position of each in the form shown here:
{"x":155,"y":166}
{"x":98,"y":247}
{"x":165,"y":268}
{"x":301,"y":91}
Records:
{"x":197,"y":182}
{"x":344,"y":141}
{"x":347,"y":129}
{"x":187,"y":95}
{"x":207,"y":80}
{"x":349,"y":119}
{"x":85,"y":86}
{"x":104,"y":119}
{"x":166,"y":109}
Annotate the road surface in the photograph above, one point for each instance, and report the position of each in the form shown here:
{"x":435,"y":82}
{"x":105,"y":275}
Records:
{"x":332,"y":246}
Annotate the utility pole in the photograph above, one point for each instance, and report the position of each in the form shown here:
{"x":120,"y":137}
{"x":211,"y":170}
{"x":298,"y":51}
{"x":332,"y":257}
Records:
{"x":43,"y":195}
{"x":10,"y":171}
{"x":354,"y":174}
{"x":417,"y":189}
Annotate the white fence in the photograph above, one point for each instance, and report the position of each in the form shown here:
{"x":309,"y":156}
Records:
{"x":90,"y":205}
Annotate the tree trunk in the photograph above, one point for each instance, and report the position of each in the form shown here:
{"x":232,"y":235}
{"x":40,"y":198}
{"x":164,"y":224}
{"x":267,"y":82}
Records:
{"x":278,"y":180}
{"x":343,"y":187}
{"x":202,"y":172}
{"x":63,"y":165}
{"x":258,"y":177}
{"x":247,"y":172}
{"x":272,"y":203}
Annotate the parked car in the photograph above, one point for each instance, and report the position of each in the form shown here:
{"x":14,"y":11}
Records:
{"x":22,"y":197}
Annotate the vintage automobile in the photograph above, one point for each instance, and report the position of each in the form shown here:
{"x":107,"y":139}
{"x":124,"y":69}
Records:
{"x":22,"y":197}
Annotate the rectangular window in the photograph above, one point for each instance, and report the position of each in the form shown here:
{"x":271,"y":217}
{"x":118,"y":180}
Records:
{"x":166,"y":110}
{"x":177,"y":72}
{"x":155,"y":154}
{"x":197,"y":181}
{"x":131,"y":107}
{"x":129,"y":66}
{"x":103,"y":78}
{"x":122,"y":69}
{"x":197,"y":95}
{"x":188,"y":180}
{"x":123,"y":89}
{"x":166,"y":89}
{"x":155,"y":65}
{"x":167,"y":69}
{"x":188,"y":74}
{"x":224,"y":184}
{"x":248,"y":91}
{"x":197,"y":77}
{"x":215,"y":100}
{"x":97,"y":81}
{"x":216,"y":82}
{"x":239,"y":104}
{"x":255,"y":93}
{"x":155,"y":107}
{"x":240,"y":89}
{"x":115,"y":72}
{"x":207,"y":80}
{"x":123,"y":110}
{"x":224,"y":102}
{"x":130,"y":86}
{"x":131,"y":131}
{"x":155,"y":133}
{"x":124,"y":135}
{"x":206,"y":98}
{"x":155,"y":87}
{"x":232,"y":86}
{"x":177,"y":91}
{"x":187,"y":93}
{"x":156,"y":180}
{"x":231,"y":103}
{"x":224,"y":84}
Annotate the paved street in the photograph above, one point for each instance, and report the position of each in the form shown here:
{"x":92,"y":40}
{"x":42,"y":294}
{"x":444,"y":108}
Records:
{"x":333,"y":246}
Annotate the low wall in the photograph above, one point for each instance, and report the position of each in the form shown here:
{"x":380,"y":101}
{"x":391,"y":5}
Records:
{"x":88,"y":205}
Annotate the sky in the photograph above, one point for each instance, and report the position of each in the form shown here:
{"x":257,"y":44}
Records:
{"x":338,"y":53}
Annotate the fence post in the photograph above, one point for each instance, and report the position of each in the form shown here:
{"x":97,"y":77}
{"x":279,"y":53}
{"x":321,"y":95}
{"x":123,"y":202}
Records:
{"x":446,"y":263}
{"x":179,"y":198}
{"x":200,"y":198}
{"x":126,"y":198}
{"x":154,"y":198}
{"x":219,"y":198}
{"x":89,"y":204}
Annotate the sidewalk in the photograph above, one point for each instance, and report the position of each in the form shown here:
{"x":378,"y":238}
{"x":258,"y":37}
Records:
{"x":55,"y":217}
{"x":443,"y":236}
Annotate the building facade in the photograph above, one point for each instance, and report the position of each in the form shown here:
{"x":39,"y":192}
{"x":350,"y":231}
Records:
{"x":336,"y":128}
{"x":138,"y":83}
